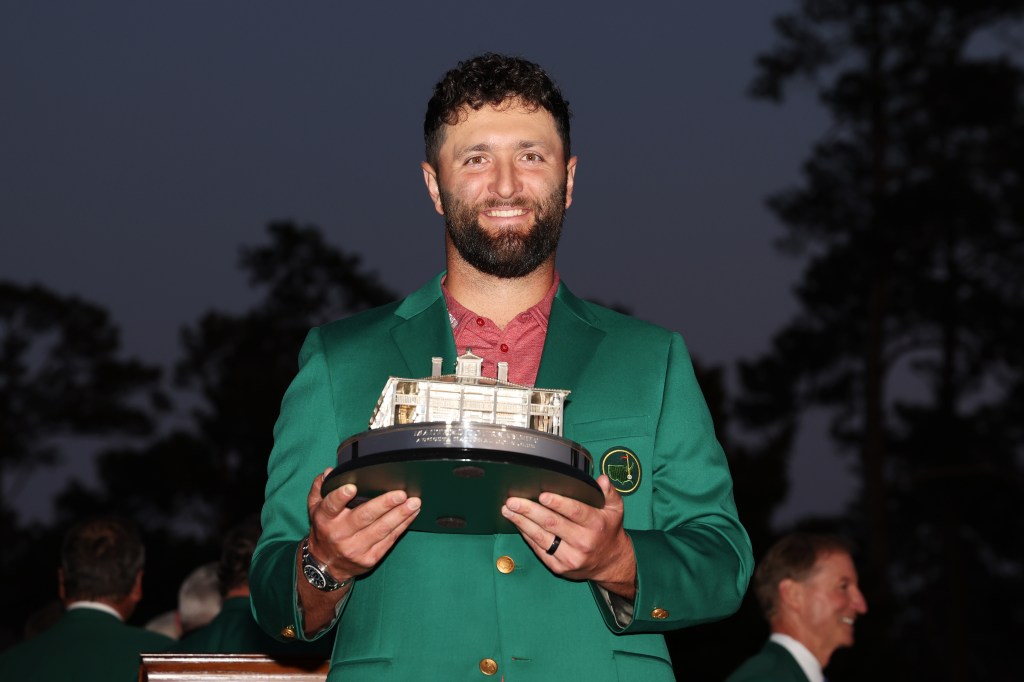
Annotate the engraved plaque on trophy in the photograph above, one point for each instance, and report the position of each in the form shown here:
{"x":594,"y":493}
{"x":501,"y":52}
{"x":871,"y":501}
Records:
{"x":463,"y":443}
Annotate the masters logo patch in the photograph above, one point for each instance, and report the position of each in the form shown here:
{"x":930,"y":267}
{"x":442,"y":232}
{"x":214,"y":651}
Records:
{"x":622,"y":467}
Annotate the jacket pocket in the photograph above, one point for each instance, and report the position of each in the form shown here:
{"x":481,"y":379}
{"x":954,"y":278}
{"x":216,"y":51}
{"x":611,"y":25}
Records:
{"x":630,"y":666}
{"x":610,"y":429}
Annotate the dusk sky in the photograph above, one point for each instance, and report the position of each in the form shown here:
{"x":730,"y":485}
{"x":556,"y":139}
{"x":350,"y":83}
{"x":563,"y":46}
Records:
{"x":142,"y":143}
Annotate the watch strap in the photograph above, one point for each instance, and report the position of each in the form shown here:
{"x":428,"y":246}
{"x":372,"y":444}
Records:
{"x":330,"y":584}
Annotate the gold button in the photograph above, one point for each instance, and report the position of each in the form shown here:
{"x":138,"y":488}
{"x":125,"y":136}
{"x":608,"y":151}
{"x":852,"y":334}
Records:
{"x":506,"y":564}
{"x":660,"y":614}
{"x":288,"y":632}
{"x":488,"y":666}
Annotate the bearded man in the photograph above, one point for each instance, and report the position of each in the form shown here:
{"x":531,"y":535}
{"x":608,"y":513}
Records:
{"x":580,"y":592}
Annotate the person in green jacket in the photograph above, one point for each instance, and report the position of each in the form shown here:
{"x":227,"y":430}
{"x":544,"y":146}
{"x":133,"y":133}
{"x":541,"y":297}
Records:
{"x":574,"y":591}
{"x":806,"y":585}
{"x":233,"y":629}
{"x":100,"y":582}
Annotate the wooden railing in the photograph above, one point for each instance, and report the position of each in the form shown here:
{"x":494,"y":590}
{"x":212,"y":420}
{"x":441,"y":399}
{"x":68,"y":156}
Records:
{"x":230,"y":668}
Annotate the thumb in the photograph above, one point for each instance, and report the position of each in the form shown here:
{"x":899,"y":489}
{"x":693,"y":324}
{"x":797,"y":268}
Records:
{"x":612,"y":498}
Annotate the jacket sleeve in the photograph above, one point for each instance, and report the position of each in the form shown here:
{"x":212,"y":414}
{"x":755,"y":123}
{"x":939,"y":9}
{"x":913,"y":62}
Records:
{"x":305,"y":442}
{"x":694,"y":564}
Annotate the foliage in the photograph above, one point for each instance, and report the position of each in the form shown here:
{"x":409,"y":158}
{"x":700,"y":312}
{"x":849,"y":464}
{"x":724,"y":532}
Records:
{"x":62,"y":378}
{"x":205,"y":477}
{"x":912,"y":327}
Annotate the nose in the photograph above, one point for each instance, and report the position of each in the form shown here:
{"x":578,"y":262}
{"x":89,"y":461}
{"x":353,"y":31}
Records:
{"x":505,"y":182}
{"x":860,"y":604}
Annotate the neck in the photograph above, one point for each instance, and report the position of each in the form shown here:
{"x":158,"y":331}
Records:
{"x":124,"y":607}
{"x":239,"y":591}
{"x":496,"y":298}
{"x":807,"y":638}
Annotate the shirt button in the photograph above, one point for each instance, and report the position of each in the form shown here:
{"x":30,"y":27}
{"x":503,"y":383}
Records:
{"x":488,"y":666}
{"x":505,"y":564}
{"x":480,"y":322}
{"x":659,"y":614}
{"x":288,"y":632}
{"x":504,"y":348}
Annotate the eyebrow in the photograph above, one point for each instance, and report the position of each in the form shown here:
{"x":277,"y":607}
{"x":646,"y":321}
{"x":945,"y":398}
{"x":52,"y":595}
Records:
{"x":485,"y":147}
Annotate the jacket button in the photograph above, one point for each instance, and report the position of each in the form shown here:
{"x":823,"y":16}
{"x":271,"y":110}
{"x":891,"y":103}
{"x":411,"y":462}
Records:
{"x":488,"y":666}
{"x":505,"y":564}
{"x":659,"y":614}
{"x":288,"y":632}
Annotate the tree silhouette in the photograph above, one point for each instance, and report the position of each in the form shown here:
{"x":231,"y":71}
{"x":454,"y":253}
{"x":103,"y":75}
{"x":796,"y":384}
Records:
{"x":913,"y":304}
{"x":62,"y":378}
{"x":189,"y":485}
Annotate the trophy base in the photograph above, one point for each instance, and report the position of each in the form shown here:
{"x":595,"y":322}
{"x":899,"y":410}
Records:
{"x":463,"y":472}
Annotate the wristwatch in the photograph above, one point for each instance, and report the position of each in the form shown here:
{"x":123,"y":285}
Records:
{"x":316,"y":572}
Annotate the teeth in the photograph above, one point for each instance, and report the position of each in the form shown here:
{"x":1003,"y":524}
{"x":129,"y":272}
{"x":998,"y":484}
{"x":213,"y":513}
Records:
{"x":847,"y":620}
{"x":511,"y":213}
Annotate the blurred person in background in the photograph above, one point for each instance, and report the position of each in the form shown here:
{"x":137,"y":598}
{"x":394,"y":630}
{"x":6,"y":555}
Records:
{"x":806,"y":585}
{"x":100,"y":583}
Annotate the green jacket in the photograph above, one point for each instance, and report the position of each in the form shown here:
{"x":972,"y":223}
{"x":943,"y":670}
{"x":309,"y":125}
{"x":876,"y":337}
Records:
{"x":85,"y":645}
{"x":234,"y":631}
{"x":437,"y":601}
{"x":773,"y":663}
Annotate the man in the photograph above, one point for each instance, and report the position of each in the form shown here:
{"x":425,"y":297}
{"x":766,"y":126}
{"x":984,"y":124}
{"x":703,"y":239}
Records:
{"x":580,"y":592}
{"x":807,"y":588}
{"x":100,"y":582}
{"x":233,"y":629}
{"x":199,"y":601}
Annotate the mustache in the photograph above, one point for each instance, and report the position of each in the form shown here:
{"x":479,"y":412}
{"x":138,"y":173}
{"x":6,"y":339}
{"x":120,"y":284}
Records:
{"x":519,"y":202}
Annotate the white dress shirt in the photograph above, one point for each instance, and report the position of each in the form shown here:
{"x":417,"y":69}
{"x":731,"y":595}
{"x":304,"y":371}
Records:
{"x":804,"y":658}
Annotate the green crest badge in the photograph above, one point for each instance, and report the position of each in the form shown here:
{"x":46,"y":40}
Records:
{"x":622,"y":467}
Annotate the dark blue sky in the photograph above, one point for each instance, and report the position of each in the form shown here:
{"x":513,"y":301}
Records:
{"x":141,"y":143}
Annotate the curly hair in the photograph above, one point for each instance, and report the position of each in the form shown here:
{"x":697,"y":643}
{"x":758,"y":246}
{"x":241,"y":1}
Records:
{"x":792,"y":557}
{"x":101,"y":558}
{"x":492,"y":79}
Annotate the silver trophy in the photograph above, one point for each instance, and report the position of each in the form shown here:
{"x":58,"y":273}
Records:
{"x":463,"y":443}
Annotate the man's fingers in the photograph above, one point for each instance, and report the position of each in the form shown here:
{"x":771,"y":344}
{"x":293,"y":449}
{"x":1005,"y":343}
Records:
{"x":313,"y":498}
{"x":389,"y":527}
{"x":368,"y":545}
{"x":574,"y":510}
{"x":337,"y":500}
{"x":368,"y":512}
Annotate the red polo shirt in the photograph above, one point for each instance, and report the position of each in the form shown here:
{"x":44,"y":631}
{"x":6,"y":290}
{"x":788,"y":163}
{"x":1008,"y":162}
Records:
{"x":520,"y":343}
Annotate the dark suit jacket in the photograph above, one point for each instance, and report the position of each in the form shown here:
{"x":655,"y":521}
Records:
{"x":234,"y":631}
{"x":437,"y":601}
{"x":85,"y":645}
{"x":773,"y":663}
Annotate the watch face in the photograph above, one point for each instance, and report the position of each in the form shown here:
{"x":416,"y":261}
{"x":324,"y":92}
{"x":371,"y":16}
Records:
{"x":315,"y":577}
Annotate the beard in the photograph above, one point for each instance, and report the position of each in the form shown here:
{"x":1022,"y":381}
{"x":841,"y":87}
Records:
{"x":509,"y":253}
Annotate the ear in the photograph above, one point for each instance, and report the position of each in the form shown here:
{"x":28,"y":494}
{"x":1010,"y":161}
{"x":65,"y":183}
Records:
{"x":791,"y":594}
{"x":570,"y":177}
{"x":430,"y":178}
{"x":136,"y":593}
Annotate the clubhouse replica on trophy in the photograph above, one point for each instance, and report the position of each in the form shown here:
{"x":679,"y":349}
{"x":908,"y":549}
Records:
{"x":464,"y":443}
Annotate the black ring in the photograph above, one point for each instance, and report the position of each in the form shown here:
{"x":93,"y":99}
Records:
{"x":554,"y":545}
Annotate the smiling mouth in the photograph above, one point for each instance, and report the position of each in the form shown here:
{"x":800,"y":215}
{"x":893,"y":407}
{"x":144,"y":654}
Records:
{"x":505,"y":213}
{"x":847,"y":620}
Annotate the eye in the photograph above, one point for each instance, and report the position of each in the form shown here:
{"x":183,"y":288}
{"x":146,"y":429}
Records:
{"x":532,"y":157}
{"x":475,"y":161}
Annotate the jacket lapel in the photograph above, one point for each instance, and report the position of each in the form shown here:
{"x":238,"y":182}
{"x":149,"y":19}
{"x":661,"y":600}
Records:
{"x":424,"y":330}
{"x":571,"y":342}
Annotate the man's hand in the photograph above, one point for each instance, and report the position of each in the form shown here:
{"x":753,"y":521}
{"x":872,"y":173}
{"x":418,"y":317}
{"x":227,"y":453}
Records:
{"x":593,"y":544}
{"x":353,"y":541}
{"x":350,"y":541}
